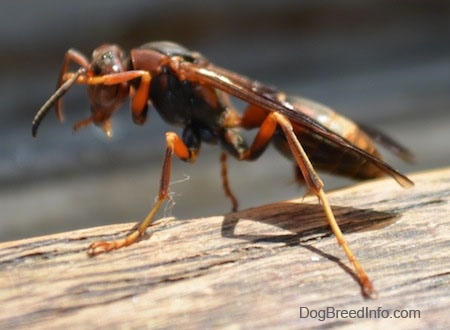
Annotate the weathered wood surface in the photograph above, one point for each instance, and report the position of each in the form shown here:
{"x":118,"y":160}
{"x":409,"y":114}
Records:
{"x":255,"y":268}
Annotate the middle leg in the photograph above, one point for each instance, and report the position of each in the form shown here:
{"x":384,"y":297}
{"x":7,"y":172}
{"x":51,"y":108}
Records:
{"x":174,"y":145}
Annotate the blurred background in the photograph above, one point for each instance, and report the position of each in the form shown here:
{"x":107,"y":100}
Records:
{"x":384,"y":63}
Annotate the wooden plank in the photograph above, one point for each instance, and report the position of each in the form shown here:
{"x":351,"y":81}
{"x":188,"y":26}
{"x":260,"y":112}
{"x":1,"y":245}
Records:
{"x":259,"y":267}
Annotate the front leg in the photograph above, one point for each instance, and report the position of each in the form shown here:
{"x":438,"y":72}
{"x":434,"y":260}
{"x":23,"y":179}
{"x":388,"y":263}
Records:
{"x":174,"y":145}
{"x":72,"y":55}
{"x":139,"y":99}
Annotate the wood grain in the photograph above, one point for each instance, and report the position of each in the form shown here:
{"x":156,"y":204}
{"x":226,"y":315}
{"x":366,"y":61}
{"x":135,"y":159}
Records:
{"x":254,"y":268}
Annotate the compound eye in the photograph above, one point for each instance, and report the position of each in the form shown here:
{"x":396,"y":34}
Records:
{"x":96,"y":69}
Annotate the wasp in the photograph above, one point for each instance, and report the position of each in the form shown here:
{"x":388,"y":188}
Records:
{"x":190,"y":92}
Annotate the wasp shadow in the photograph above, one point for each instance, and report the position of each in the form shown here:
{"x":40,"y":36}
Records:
{"x":304,"y":221}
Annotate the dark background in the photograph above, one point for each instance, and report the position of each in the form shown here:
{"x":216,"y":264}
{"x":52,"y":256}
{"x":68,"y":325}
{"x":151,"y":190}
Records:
{"x":386,"y":63}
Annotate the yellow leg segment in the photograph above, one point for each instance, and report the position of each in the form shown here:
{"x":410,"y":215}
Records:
{"x":174,"y":145}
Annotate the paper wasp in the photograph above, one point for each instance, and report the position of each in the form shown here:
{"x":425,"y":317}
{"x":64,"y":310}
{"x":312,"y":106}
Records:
{"x":190,"y":92}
